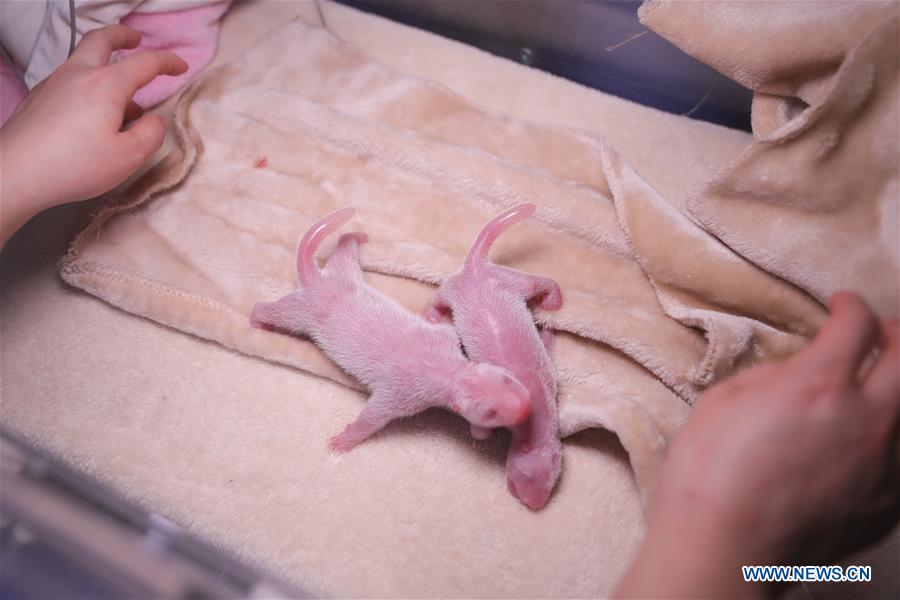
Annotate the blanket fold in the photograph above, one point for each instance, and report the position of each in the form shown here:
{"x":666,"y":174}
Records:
{"x":814,"y":200}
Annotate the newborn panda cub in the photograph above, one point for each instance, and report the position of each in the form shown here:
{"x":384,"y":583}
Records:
{"x":491,"y":313}
{"x":407,"y":364}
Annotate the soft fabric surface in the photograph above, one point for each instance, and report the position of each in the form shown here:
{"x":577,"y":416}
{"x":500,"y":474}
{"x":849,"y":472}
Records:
{"x":191,"y":33}
{"x":234,"y":448}
{"x":814,"y":200}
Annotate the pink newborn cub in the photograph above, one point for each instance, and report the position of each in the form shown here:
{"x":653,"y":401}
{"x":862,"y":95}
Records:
{"x":490,"y":311}
{"x":407,"y":363}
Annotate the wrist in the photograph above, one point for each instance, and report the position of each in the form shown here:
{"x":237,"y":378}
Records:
{"x":21,"y":189}
{"x":25,"y":186}
{"x":691,"y":549}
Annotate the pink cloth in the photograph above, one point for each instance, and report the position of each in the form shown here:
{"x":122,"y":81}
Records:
{"x":192,"y":34}
{"x":12,"y":90}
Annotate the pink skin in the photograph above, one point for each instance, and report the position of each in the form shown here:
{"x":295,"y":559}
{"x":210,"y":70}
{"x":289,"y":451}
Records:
{"x":407,"y":363}
{"x":490,"y":306}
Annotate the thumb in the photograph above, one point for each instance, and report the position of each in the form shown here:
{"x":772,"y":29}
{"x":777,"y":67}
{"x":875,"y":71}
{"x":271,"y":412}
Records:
{"x":845,"y":340}
{"x":144,"y":137}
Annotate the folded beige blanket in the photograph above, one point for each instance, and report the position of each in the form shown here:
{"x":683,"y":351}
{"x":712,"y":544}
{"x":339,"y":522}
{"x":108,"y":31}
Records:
{"x":658,"y":303}
{"x":815,"y":199}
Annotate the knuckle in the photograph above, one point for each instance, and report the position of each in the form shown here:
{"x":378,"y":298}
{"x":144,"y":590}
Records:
{"x":151,"y":136}
{"x":824,"y":385}
{"x":101,"y":80}
{"x":148,"y":61}
{"x":157,"y":57}
{"x":100,"y":76}
{"x":99,"y":35}
{"x":91,"y":35}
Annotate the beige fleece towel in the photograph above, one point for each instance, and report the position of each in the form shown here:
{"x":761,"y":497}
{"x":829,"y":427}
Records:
{"x":426,"y":171}
{"x":815,"y":199}
{"x":273,"y":143}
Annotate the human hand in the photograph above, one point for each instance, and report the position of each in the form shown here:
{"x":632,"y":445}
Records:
{"x":785,"y":463}
{"x":65,"y":141}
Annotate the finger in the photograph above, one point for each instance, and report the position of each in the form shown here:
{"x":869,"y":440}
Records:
{"x":144,"y":138}
{"x":844,"y":341}
{"x":133,"y":110}
{"x":138,"y":69}
{"x":883,"y":382}
{"x":97,"y":45}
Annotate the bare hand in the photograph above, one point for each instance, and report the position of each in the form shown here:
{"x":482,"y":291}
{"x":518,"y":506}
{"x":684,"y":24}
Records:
{"x":65,"y":141}
{"x":797,"y":462}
